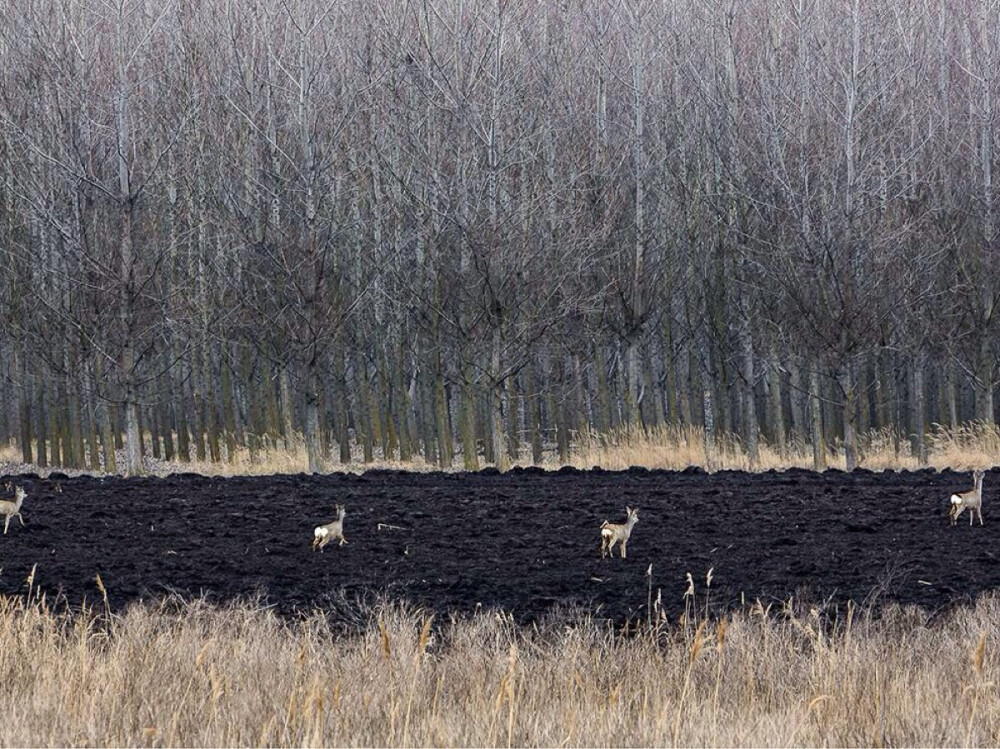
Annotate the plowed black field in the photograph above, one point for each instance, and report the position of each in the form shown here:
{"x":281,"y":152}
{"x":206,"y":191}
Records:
{"x":523,"y":541}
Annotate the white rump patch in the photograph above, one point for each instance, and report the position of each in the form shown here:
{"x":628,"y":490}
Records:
{"x":321,"y":532}
{"x":955,"y":499}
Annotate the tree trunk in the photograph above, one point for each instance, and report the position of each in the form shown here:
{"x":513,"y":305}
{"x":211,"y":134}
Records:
{"x":582,"y":405}
{"x":532,"y":407}
{"x":389,"y":440}
{"x":425,"y":408}
{"x":229,"y":406}
{"x":181,"y":404}
{"x":798,"y":399}
{"x":198,"y":407}
{"x":513,"y":426}
{"x":343,"y":405}
{"x":154,"y":432}
{"x":467,"y":418}
{"x":93,"y":447}
{"x":255,"y":388}
{"x":670,"y":373}
{"x":312,"y":422}
{"x":367,"y":411}
{"x":557,"y":399}
{"x":984,"y":380}
{"x":684,"y":379}
{"x":850,"y":416}
{"x":42,"y":428}
{"x":603,"y":391}
{"x":401,"y":402}
{"x":952,"y":394}
{"x":750,"y":433}
{"x":777,"y":409}
{"x":709,"y":412}
{"x":496,"y":403}
{"x":863,"y":409}
{"x":285,"y":396}
{"x":651,"y":407}
{"x":918,"y":425}
{"x":816,"y":409}
{"x":446,"y":445}
{"x":25,"y":413}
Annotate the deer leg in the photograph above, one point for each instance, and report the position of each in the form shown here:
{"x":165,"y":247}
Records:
{"x":624,"y":549}
{"x":5,"y":524}
{"x":22,"y":519}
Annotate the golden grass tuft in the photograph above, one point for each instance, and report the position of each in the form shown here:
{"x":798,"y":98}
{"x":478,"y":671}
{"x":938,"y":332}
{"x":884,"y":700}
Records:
{"x":239,"y":676}
{"x":9,"y":453}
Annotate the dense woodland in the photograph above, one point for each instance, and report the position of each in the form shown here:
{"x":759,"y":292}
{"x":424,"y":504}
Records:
{"x":471,"y":230}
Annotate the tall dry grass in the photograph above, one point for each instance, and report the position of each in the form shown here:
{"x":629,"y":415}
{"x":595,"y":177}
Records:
{"x":973,"y":445}
{"x":240,"y":676}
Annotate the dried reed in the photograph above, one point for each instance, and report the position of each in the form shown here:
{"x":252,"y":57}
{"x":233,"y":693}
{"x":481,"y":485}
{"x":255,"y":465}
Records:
{"x":192,"y":674}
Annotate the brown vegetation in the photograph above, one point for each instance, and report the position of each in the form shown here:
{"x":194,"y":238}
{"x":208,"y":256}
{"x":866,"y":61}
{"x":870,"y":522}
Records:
{"x":197,"y":675}
{"x":974,"y":445}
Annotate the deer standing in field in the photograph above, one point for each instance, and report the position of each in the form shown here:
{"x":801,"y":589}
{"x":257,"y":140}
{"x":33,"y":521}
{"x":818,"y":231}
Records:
{"x":971,"y":500}
{"x":612,"y":533}
{"x":326,"y":533}
{"x":12,"y":507}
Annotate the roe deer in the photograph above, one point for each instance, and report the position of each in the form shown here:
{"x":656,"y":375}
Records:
{"x":12,"y":507}
{"x":971,"y":500}
{"x":326,"y":533}
{"x":612,"y":533}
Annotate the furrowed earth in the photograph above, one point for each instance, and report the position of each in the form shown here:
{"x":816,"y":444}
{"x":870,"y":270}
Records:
{"x":525,"y":541}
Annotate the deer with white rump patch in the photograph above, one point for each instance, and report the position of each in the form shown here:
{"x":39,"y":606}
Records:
{"x":971,"y":500}
{"x":612,"y":533}
{"x":324,"y":534}
{"x":10,"y":508}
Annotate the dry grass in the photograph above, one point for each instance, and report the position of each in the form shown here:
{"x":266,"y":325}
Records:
{"x":241,"y":676}
{"x":973,"y":445}
{"x":280,"y":460}
{"x":9,"y":453}
{"x":276,"y":460}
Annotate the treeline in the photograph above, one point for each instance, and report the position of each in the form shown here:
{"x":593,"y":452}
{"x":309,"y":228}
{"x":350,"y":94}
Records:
{"x":469,"y":229}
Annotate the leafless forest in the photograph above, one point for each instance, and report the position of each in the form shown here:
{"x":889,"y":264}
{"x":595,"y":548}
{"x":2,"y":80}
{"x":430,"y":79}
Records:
{"x":470,"y":229}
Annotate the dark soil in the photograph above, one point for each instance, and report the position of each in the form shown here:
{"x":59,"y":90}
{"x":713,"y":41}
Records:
{"x":523,"y":541}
